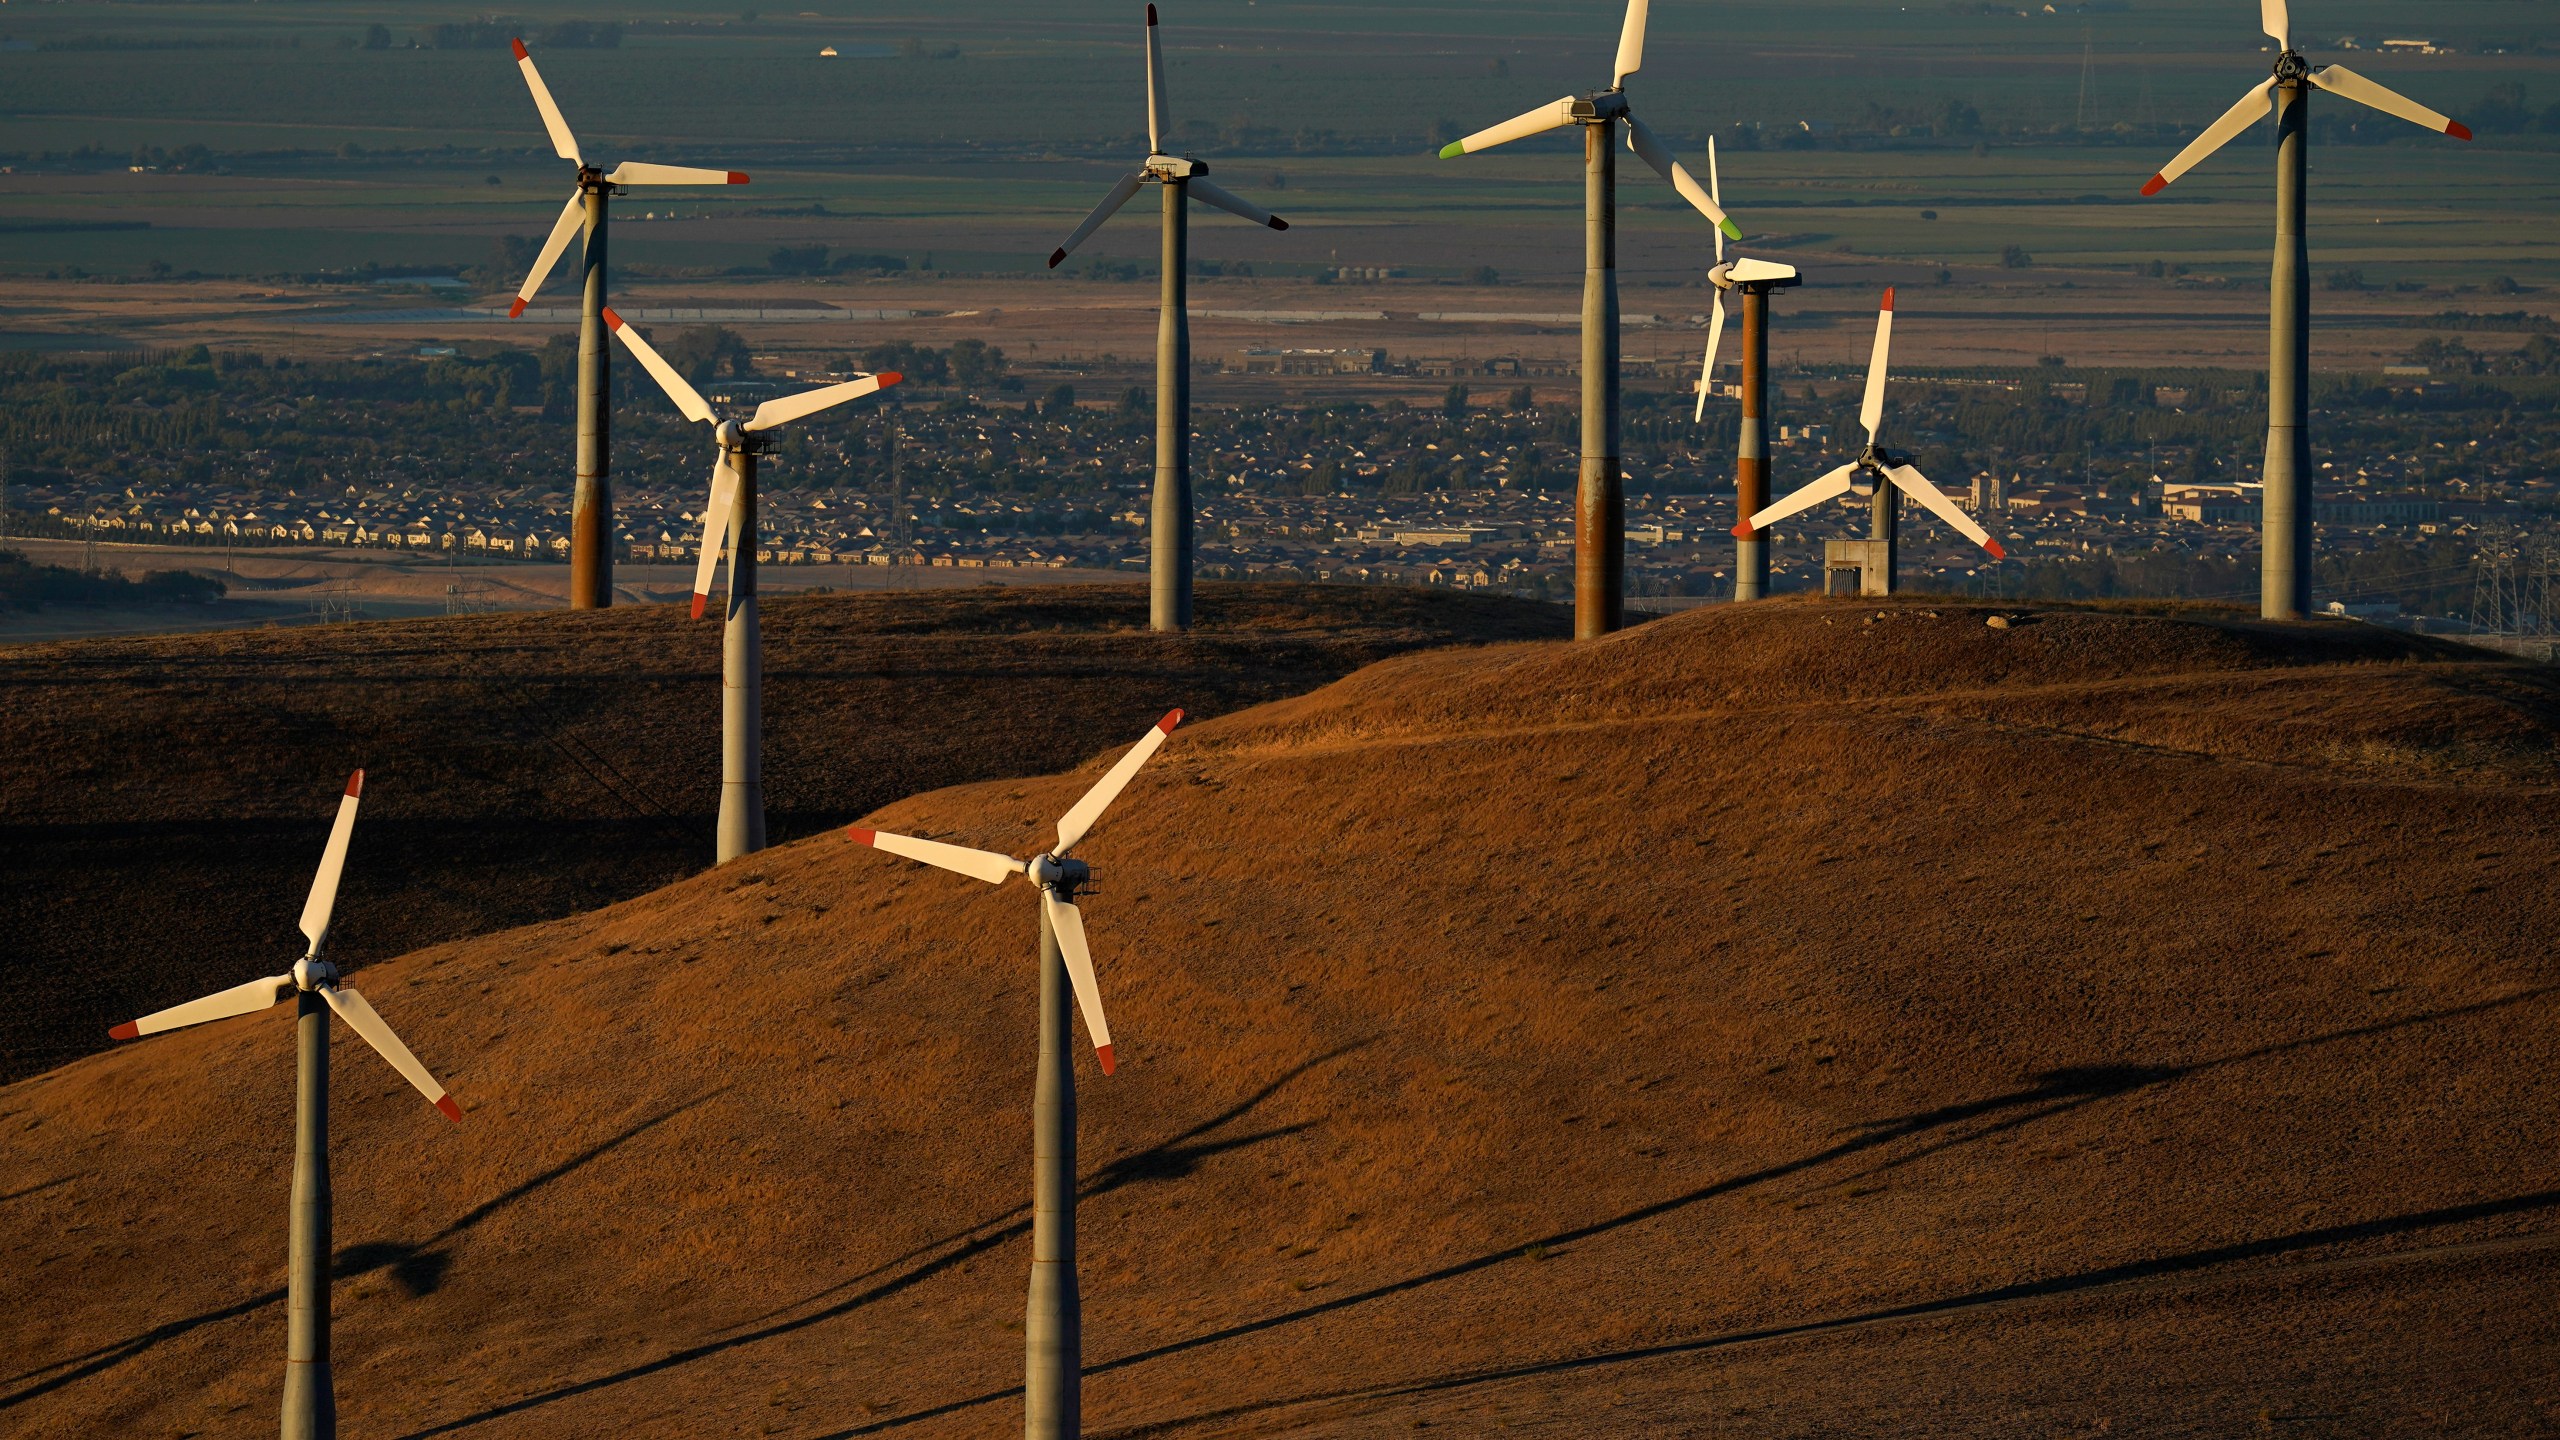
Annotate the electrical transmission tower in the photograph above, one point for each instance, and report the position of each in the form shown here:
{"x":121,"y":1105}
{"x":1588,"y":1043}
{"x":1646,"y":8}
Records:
{"x":2513,"y":590}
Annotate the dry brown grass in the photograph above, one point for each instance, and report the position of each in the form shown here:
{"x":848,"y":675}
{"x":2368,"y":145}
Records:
{"x":1759,"y":1023}
{"x":160,"y":813}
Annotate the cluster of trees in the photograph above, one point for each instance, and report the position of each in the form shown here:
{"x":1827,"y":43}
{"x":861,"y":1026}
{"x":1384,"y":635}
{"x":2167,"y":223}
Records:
{"x":815,"y":260}
{"x":495,"y":34}
{"x":2539,"y":355}
{"x":26,"y":585}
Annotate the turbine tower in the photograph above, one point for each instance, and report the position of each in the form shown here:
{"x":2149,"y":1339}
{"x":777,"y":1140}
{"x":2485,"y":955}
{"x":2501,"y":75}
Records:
{"x":591,"y":507}
{"x":1600,"y":504}
{"x":2284,"y":542}
{"x":310,"y":1399}
{"x":1755,"y":279}
{"x":1169,"y":519}
{"x":1052,"y":1328}
{"x":1876,"y":476}
{"x":730,"y":517}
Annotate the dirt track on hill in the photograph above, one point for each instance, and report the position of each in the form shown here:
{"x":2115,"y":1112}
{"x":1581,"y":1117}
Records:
{"x":1805,"y":1020}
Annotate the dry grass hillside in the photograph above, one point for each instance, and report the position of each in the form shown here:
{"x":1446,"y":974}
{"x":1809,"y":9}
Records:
{"x":1812,"y":1020}
{"x":164,"y":799}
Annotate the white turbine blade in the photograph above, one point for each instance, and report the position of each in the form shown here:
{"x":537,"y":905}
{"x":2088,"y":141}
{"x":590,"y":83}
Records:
{"x":1230,"y":202}
{"x":1871,"y":413}
{"x":774,"y":413}
{"x":1631,"y":42}
{"x":2253,"y":107}
{"x":1642,"y":140}
{"x":1835,"y":483}
{"x":360,"y":1017}
{"x":1916,"y":485}
{"x":688,"y":399}
{"x":1157,"y":122}
{"x":1073,"y":824}
{"x":561,"y":139}
{"x":976,"y":864}
{"x":572,"y":219}
{"x":221,"y":1005}
{"x":716,"y":518}
{"x":633,"y":172}
{"x":1707,"y":371}
{"x":333,"y":863}
{"x":1715,"y":192}
{"x":2341,"y":81}
{"x":2278,"y":22}
{"x":1067,"y":924}
{"x":1111,"y":203}
{"x":1518,"y":127}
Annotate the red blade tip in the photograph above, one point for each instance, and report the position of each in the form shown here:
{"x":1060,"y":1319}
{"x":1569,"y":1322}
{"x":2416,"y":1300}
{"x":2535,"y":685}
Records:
{"x":611,"y":320}
{"x":129,"y":1030}
{"x":1103,"y":1054}
{"x":697,"y":605}
{"x":1151,"y":14}
{"x":1057,"y":256}
{"x":1888,"y":299}
{"x":2458,"y":130}
{"x":516,"y":309}
{"x":737,"y":177}
{"x":1279,"y":224}
{"x":862,"y":836}
{"x":1996,"y":552}
{"x":451,"y":1111}
{"x":355,"y":785}
{"x":1743,"y":530}
{"x":2155,"y":185}
{"x":519,"y":44}
{"x":888,"y":378}
{"x":1171,"y":719}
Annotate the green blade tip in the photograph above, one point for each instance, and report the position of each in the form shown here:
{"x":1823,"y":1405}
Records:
{"x":1731,"y":230}
{"x":1453,"y":149}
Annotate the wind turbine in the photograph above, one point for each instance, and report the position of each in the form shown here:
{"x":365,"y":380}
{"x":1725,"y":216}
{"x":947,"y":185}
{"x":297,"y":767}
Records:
{"x":731,"y":517}
{"x":1877,"y":474}
{"x":310,"y":1400}
{"x":1755,"y":279}
{"x":1169,"y":520}
{"x":1600,"y":505}
{"x":1053,"y":1324}
{"x":2284,"y":581}
{"x":591,"y":506}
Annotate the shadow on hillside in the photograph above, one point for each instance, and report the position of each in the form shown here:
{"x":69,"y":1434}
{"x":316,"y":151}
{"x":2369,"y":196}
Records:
{"x":2053,"y":1094}
{"x":418,"y":1269}
{"x":1169,"y":1159}
{"x":2130,"y":1273}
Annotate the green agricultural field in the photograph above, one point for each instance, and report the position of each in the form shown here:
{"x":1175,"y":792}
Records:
{"x":979,"y":131}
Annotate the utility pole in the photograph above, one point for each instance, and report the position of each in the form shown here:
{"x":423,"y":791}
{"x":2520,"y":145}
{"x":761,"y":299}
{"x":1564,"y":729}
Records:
{"x":1169,"y":520}
{"x":1756,"y":279}
{"x":2284,"y":591}
{"x":310,"y":1398}
{"x":1053,"y":1320}
{"x":591,"y":507}
{"x":741,"y":828}
{"x":1600,"y":498}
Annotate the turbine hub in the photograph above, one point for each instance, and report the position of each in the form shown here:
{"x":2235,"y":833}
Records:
{"x":311,"y":972}
{"x":1600,"y":106}
{"x":733,"y":436}
{"x":2291,"y":66}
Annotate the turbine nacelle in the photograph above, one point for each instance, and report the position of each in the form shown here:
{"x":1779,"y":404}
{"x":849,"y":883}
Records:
{"x":1049,"y":872}
{"x":312,"y":973}
{"x":1600,"y":105}
{"x":1174,"y":167}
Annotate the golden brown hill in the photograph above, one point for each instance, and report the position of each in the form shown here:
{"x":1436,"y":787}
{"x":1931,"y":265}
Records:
{"x":164,"y":799}
{"x":1769,"y":1022}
